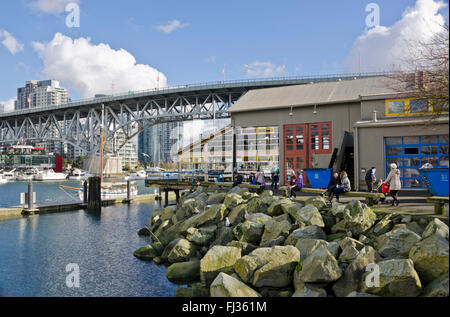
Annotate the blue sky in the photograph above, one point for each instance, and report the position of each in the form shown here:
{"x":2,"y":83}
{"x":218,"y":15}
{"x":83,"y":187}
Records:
{"x":309,"y":37}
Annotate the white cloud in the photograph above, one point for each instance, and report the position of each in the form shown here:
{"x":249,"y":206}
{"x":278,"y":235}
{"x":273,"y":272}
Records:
{"x":263,"y":69}
{"x":10,"y":42}
{"x":385,"y":47}
{"x":54,"y":7}
{"x":90,"y":69}
{"x":8,"y":105}
{"x":171,"y":26}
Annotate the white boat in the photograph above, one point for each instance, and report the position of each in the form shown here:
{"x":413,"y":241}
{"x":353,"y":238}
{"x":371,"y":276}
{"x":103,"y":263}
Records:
{"x":10,"y":176}
{"x":113,"y":190}
{"x":76,"y":174}
{"x":2,"y":179}
{"x":138,"y":175}
{"x":50,"y":175}
{"x":27,"y":175}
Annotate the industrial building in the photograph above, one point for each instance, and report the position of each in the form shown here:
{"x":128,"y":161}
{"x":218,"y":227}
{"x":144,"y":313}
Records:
{"x":348,"y":125}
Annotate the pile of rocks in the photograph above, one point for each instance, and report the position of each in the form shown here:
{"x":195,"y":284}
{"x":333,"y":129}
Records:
{"x":237,"y":243}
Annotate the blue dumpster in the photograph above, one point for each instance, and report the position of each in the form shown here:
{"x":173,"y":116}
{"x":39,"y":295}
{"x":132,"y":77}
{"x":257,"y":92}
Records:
{"x":436,"y":180}
{"x":319,"y":177}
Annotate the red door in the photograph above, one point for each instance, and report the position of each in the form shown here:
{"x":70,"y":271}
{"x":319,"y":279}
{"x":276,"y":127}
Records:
{"x":302,"y":142}
{"x":295,"y":147}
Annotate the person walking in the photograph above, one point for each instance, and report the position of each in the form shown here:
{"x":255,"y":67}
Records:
{"x":371,"y":178}
{"x":344,"y":187}
{"x":292,"y":185}
{"x":275,"y":179}
{"x":395,"y":183}
{"x":261,"y":179}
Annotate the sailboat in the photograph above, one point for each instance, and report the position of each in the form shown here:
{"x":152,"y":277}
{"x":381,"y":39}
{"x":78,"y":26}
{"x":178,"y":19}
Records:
{"x":111,"y":190}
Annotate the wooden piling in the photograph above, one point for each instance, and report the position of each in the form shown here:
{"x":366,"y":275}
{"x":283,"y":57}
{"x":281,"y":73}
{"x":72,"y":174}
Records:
{"x":95,"y":196}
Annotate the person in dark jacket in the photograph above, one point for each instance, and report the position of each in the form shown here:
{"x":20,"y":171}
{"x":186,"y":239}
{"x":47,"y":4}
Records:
{"x":371,"y":178}
{"x":343,"y":187}
{"x":334,"y":182}
{"x":275,"y":179}
{"x":238,"y":179}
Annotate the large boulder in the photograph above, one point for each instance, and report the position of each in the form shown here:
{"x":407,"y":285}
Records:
{"x":358,"y":218}
{"x":383,"y":226}
{"x":351,"y":279}
{"x":232,"y":200}
{"x":310,"y":216}
{"x":310,"y":232}
{"x":397,"y":242}
{"x":251,"y":232}
{"x":182,"y":250}
{"x":309,"y":290}
{"x":436,"y":226}
{"x":202,"y":236}
{"x":259,"y":218}
{"x":246,"y":247}
{"x":437,"y":288}
{"x":218,"y":259}
{"x":319,"y":267}
{"x":236,"y":216}
{"x":276,"y":208}
{"x":350,"y":249}
{"x":273,"y":229}
{"x":216,"y":198}
{"x":211,"y":215}
{"x":187,"y":209}
{"x":193,"y":290}
{"x":225,"y":285}
{"x":223,"y":236}
{"x":430,"y":257}
{"x":184,"y":272}
{"x":271,"y":267}
{"x":318,"y":201}
{"x":147,"y":253}
{"x":308,"y":246}
{"x":337,"y":210}
{"x":256,"y":205}
{"x":397,"y":278}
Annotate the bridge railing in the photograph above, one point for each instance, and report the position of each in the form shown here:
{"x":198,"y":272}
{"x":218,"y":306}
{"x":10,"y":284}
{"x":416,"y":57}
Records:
{"x":217,"y":84}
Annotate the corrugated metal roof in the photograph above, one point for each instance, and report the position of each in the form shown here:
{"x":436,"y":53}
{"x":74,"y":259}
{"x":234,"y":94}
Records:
{"x":312,"y":94}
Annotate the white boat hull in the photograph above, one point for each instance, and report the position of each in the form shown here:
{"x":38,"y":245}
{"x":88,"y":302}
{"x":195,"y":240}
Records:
{"x":111,"y":195}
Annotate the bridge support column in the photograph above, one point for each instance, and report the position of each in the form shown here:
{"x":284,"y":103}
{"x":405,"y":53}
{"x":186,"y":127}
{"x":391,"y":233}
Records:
{"x":177,"y":195}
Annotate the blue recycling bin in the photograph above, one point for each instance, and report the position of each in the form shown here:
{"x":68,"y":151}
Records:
{"x":436,"y":180}
{"x":319,"y":177}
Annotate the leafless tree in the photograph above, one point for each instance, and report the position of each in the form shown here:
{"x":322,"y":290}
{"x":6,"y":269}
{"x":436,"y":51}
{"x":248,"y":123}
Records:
{"x":426,"y":72}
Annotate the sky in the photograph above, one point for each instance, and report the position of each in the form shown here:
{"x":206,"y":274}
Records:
{"x":142,"y":44}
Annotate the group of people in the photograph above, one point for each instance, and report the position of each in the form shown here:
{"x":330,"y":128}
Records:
{"x":339,"y":183}
{"x":392,"y":182}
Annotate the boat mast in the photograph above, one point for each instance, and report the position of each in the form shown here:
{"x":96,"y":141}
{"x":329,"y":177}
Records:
{"x":101,"y":144}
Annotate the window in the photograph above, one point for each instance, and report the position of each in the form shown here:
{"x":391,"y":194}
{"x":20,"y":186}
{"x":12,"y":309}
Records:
{"x":396,"y":107}
{"x":411,"y":153}
{"x":418,"y":106}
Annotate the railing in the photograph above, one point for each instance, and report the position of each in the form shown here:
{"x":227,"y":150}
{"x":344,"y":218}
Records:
{"x":219,"y":176}
{"x":216,"y":84}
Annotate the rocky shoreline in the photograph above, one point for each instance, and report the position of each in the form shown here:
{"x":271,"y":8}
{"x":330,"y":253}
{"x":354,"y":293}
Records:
{"x":234,"y":243}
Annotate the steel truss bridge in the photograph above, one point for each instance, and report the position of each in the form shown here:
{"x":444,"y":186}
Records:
{"x":79,"y":123}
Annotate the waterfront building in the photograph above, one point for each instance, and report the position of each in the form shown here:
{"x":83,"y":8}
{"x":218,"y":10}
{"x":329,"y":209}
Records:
{"x":26,"y":157}
{"x":256,"y":148}
{"x":41,"y":93}
{"x":160,"y":143}
{"x":2,"y":108}
{"x":349,"y":125}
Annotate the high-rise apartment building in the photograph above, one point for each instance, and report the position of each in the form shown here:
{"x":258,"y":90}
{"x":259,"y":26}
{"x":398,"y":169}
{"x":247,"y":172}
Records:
{"x":41,"y":93}
{"x":160,"y":143}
